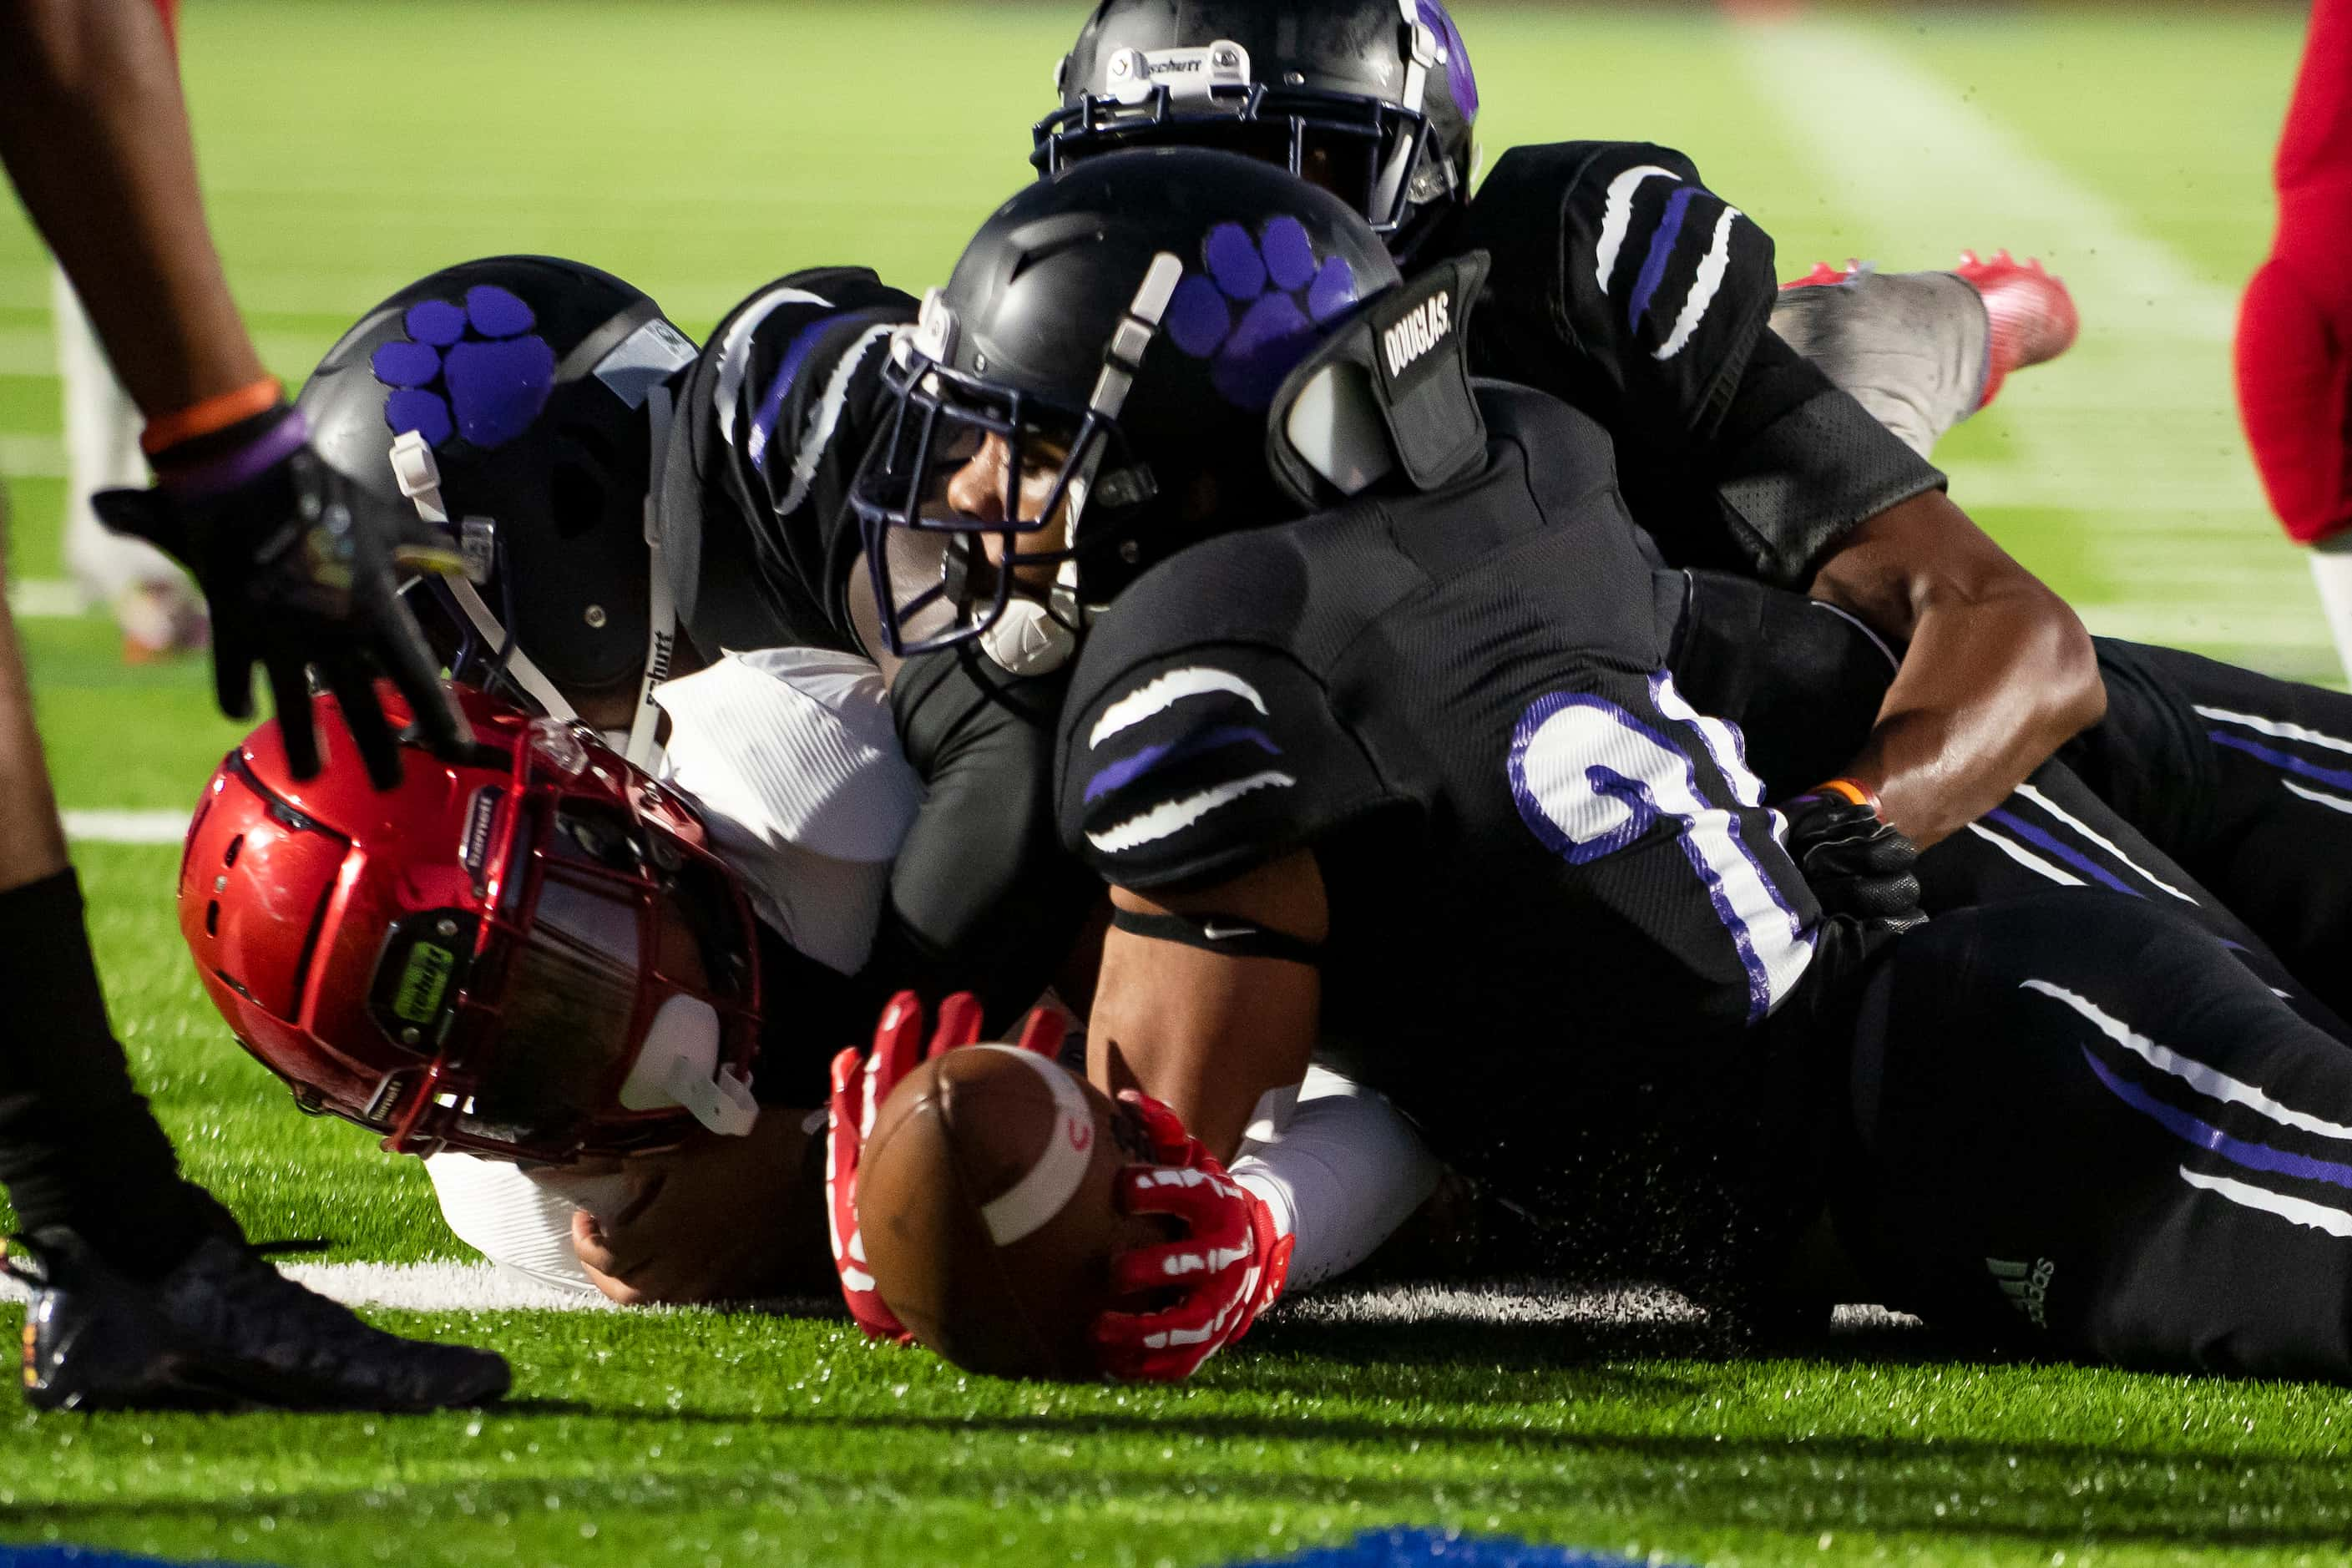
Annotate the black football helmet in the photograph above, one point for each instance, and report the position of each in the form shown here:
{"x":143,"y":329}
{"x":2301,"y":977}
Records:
{"x":520,"y":401}
{"x":1123,"y":325}
{"x":1372,"y":98}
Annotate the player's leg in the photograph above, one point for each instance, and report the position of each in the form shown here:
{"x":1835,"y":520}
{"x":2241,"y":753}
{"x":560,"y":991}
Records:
{"x":1922,"y":350}
{"x":78,"y":1147}
{"x":150,"y":597}
{"x":2247,"y":782}
{"x":2085,"y":1130}
{"x":143,"y":1292}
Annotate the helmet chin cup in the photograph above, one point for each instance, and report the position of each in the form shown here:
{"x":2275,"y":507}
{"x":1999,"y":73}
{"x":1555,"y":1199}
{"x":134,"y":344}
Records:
{"x":1029,"y":638}
{"x":678,"y":1064}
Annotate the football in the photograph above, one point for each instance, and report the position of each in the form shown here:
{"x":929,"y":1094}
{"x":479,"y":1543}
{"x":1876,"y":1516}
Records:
{"x":985,"y":1197}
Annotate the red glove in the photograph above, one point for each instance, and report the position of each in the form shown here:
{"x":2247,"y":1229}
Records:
{"x":1230,"y":1265}
{"x":859,"y":1088}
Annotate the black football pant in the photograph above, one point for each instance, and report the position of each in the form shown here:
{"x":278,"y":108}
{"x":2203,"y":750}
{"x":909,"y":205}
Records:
{"x":2083,"y":1127}
{"x":2246,"y":782}
{"x":77,"y":1144}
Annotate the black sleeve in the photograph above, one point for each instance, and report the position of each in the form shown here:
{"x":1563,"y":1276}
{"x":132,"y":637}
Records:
{"x":1623,"y":284}
{"x":772,"y":419}
{"x":982,"y":897}
{"x":1199,"y":766}
{"x":1797,"y":465}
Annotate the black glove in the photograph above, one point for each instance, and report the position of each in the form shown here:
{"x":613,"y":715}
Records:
{"x":298,"y":577}
{"x":1855,"y":864}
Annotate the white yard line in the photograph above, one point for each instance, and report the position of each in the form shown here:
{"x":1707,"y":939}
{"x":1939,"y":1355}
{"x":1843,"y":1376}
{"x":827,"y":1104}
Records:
{"x":25,"y":457}
{"x":2136,"y":431}
{"x":422,"y":1287}
{"x":1903,"y":146}
{"x":126,"y":827}
{"x":482,"y":1288}
{"x":47,"y":598}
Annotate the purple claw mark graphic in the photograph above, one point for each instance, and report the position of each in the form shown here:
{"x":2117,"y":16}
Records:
{"x":475,"y":370}
{"x":1257,"y":307}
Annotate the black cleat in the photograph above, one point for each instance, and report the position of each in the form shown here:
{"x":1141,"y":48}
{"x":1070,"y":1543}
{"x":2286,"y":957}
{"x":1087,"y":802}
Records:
{"x":222,"y":1331}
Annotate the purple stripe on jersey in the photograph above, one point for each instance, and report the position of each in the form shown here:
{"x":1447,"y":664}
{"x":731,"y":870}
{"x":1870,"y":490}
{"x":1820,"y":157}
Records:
{"x":1743,"y":941}
{"x":2073,"y":856}
{"x":1127,"y":770}
{"x":2204,"y":1135}
{"x":1661,"y":250}
{"x":2281,"y":760}
{"x":771,"y":404}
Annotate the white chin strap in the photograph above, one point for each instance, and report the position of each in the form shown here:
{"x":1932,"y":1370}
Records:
{"x":1426,"y":53}
{"x":419,"y":477}
{"x":1031,"y":638}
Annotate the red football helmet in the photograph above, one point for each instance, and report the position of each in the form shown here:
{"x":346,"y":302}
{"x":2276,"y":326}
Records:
{"x":528,"y":954}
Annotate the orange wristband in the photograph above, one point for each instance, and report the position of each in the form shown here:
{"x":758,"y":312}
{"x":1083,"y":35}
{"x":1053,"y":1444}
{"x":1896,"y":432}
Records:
{"x":1853,"y":791}
{"x":212,"y":415}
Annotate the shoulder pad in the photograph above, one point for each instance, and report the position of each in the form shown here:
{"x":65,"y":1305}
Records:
{"x":1389,"y":389}
{"x":1202,"y":764}
{"x":1621,"y":279}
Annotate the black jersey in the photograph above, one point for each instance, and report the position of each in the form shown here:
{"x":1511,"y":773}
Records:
{"x":771,"y":423}
{"x":1622,"y":285}
{"x":1544,"y":867}
{"x":774,"y":420}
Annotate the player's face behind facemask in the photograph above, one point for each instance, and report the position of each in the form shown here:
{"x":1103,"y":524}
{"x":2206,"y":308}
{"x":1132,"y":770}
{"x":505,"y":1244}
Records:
{"x":1090,"y":392}
{"x":519,"y":403}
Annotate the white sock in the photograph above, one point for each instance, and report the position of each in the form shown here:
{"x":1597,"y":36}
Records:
{"x":1911,"y":347}
{"x":2331,"y":568}
{"x":102,"y":427}
{"x":1340,"y":1170}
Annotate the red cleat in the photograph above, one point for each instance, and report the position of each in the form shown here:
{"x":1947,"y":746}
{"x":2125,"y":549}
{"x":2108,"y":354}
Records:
{"x":2033,"y":317}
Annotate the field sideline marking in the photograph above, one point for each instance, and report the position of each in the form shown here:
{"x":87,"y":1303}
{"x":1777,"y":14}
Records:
{"x":483,"y":1287}
{"x":47,"y":599}
{"x":27,"y":456}
{"x":126,"y":827}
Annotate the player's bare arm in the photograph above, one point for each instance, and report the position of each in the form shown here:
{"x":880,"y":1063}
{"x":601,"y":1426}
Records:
{"x":716,"y":1219}
{"x":95,"y":136}
{"x":1998,"y":673}
{"x":1207,"y":1033}
{"x":32,"y":837}
{"x":92,"y":120}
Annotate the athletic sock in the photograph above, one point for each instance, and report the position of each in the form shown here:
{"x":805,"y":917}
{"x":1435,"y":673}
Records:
{"x":2331,"y":568}
{"x":79,"y":1146}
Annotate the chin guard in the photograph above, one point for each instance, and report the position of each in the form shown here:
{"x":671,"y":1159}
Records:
{"x":1388,"y":392}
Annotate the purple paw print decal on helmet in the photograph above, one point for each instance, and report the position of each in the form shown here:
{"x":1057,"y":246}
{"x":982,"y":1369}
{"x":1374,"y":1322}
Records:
{"x":476,"y":369}
{"x":1258,"y":308}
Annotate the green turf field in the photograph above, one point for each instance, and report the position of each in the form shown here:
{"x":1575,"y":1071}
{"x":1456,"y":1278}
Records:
{"x":699,"y":149}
